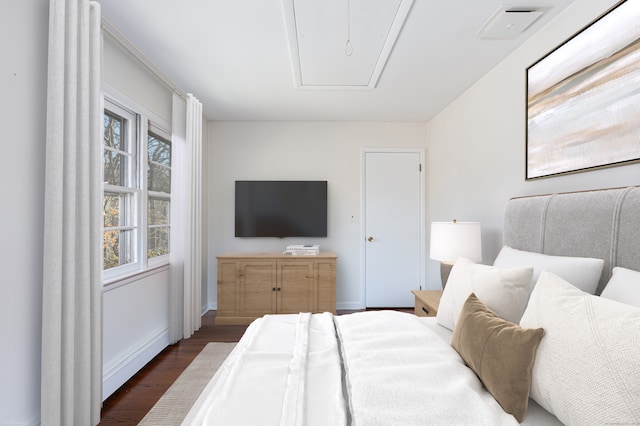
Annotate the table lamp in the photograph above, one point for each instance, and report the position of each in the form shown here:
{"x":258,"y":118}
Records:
{"x":450,"y":240}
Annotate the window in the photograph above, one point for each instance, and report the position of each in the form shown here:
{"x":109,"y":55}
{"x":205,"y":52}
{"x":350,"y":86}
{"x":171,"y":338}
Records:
{"x":136,"y":204}
{"x":159,"y":195}
{"x":119,"y":201}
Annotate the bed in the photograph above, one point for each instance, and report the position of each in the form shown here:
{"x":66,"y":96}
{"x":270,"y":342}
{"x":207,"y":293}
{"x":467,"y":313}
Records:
{"x":549,"y":334}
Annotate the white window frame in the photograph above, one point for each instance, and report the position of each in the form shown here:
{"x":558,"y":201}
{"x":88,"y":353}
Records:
{"x":143,"y":122}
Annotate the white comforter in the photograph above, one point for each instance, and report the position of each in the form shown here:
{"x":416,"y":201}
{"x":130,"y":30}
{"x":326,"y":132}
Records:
{"x":287,"y":370}
{"x":400,"y":372}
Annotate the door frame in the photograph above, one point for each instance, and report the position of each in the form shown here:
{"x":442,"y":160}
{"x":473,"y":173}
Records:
{"x":363,"y":237}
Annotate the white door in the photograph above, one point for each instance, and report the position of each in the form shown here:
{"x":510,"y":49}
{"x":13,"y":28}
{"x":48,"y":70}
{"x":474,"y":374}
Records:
{"x":394,"y":235}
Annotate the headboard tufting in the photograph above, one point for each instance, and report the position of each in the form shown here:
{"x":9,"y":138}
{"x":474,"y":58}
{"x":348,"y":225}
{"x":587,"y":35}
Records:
{"x":604,"y":224}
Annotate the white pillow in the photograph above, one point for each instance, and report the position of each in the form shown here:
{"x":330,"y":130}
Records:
{"x":587,"y":368}
{"x":623,"y":286}
{"x":582,"y":272}
{"x":504,"y":291}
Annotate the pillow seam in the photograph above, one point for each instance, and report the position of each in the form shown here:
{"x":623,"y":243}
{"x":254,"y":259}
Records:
{"x":484,"y":345}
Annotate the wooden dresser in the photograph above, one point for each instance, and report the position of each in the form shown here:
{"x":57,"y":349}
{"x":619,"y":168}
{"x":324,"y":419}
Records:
{"x":251,"y":285}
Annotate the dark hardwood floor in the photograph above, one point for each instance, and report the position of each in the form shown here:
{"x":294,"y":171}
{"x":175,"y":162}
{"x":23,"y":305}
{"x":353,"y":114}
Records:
{"x":129,"y":404}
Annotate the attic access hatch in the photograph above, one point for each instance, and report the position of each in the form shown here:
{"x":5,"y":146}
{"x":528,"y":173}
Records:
{"x":318,"y":32}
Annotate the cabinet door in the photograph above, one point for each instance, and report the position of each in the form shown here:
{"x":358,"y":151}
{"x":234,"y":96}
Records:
{"x":227,"y":288}
{"x":257,"y":284}
{"x":327,"y":287}
{"x":295,"y":281}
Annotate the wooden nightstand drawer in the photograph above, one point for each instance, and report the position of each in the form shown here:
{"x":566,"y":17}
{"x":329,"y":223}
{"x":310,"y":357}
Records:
{"x":427,"y":302}
{"x":423,"y":310}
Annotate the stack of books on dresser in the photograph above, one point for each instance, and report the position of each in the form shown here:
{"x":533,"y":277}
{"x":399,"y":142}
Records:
{"x":302,"y":250}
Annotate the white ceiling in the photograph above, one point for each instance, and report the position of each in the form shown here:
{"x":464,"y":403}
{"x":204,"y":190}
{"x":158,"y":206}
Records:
{"x":342,"y":43}
{"x":233,"y":55}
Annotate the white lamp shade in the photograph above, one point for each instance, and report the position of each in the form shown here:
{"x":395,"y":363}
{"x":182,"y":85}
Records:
{"x":450,"y":240}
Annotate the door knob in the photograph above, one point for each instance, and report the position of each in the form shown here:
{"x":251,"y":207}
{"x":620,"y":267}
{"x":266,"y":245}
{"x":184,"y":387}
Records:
{"x":370,"y":239}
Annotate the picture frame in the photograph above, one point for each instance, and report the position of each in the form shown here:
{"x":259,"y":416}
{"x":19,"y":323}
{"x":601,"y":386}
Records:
{"x":583,"y":98}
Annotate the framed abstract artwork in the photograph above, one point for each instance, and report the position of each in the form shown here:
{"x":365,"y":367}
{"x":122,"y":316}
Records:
{"x":583,"y":98}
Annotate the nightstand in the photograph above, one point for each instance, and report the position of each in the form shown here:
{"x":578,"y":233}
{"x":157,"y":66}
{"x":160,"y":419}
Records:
{"x":427,"y":302}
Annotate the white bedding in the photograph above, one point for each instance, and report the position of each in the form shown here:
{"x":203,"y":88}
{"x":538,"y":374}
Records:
{"x":399,"y":369}
{"x":400,"y":372}
{"x":267,"y":378}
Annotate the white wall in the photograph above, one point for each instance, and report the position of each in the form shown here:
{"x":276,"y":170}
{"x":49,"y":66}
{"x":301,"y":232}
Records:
{"x":313,"y":151}
{"x":476,"y":146}
{"x":135,"y":327}
{"x":135,"y":312}
{"x":124,"y":72}
{"x":23,"y":84}
{"x":136,"y":315}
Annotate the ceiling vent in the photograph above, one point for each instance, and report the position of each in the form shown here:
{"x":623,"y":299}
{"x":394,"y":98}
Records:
{"x":508,"y":22}
{"x":342,"y":44}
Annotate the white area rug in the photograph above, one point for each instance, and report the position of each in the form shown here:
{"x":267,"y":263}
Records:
{"x":174,"y":405}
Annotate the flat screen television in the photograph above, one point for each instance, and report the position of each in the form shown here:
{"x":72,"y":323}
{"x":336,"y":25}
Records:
{"x":281,"y":208}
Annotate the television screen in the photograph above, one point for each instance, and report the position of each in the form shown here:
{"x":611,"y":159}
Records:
{"x":281,"y":209}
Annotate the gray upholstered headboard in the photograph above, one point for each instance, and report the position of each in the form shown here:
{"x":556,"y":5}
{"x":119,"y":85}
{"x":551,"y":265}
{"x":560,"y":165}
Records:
{"x":604,"y":224}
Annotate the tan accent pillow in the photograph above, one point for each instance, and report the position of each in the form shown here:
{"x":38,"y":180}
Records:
{"x":499,"y":352}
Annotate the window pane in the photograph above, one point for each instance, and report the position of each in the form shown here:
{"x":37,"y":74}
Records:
{"x":114,"y":164}
{"x":158,"y":241}
{"x":111,"y":206}
{"x":117,"y":248}
{"x":116,"y":207}
{"x":159,"y":178}
{"x":158,"y":211}
{"x":159,"y":164}
{"x":159,"y":150}
{"x":113,"y":129}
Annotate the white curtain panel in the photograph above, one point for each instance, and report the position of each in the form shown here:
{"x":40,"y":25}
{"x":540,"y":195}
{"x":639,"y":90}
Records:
{"x":193,"y":255}
{"x":178,"y":232}
{"x":72,"y":287}
{"x":186,"y":218}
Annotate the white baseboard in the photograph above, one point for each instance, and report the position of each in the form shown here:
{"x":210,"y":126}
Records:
{"x":119,"y":372}
{"x":347,"y":306}
{"x":34,"y":421}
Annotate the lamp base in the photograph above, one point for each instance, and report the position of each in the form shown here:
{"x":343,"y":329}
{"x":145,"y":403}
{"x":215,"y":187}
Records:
{"x":445,"y":270}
